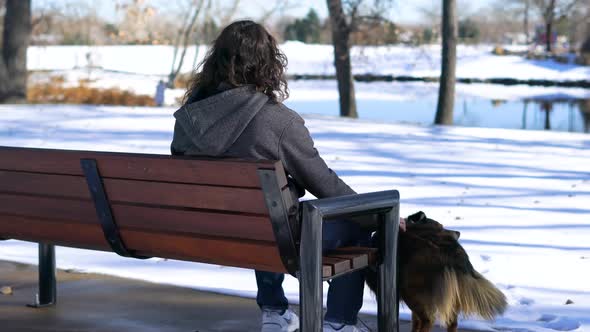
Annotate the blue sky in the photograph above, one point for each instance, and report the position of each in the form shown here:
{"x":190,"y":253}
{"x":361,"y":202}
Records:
{"x":403,"y":11}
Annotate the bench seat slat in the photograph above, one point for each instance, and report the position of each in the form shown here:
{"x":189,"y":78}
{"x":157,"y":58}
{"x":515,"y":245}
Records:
{"x":140,"y":217}
{"x":142,"y":192}
{"x":337,"y":265}
{"x":166,"y":168}
{"x":370,"y":254}
{"x":346,"y":259}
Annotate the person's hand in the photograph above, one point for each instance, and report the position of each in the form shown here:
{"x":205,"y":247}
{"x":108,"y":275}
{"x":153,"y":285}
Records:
{"x":402,"y":224}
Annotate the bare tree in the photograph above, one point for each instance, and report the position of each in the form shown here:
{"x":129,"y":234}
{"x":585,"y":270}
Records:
{"x":207,"y":19}
{"x":520,"y":9}
{"x":184,"y":38}
{"x":341,"y":30}
{"x":525,"y":20}
{"x":551,"y":10}
{"x":280,"y":7}
{"x":446,"y":94}
{"x":13,"y":60}
{"x":230,"y":13}
{"x":345,"y":17}
{"x":138,"y":18}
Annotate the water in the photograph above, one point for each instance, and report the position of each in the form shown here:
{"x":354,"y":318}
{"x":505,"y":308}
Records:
{"x":518,"y":107}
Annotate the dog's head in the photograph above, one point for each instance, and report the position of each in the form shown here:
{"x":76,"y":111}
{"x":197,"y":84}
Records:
{"x":419,"y":223}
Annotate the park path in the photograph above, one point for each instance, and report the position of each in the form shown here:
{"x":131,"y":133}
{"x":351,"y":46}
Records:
{"x":99,"y":303}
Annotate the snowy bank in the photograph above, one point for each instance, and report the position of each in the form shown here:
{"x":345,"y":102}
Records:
{"x":424,"y":61}
{"x":520,"y":200}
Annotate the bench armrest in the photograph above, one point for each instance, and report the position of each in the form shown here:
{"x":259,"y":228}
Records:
{"x":314,"y":213}
{"x":354,"y":205}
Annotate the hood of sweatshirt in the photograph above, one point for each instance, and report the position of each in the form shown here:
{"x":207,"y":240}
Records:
{"x":214,"y":124}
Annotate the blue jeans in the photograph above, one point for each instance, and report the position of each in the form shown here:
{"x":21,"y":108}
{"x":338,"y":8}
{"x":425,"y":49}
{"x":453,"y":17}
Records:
{"x":345,"y":295}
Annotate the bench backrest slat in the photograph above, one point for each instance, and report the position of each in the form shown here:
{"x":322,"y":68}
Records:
{"x":175,"y":207}
{"x":139,"y":217}
{"x":246,"y":200}
{"x":137,"y":166}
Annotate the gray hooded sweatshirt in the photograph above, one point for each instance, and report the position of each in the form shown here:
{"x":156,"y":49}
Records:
{"x":243,"y":123}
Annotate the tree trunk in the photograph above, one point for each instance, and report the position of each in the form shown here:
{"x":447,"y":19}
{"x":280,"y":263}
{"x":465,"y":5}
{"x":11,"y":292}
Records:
{"x":13,"y":60}
{"x":341,"y":41}
{"x":548,"y":32}
{"x":446,"y":94}
{"x":526,"y":21}
{"x":549,"y":16}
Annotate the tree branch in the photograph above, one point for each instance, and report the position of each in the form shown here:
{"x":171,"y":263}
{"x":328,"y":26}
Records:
{"x":228,"y":17}
{"x":281,"y":6}
{"x":187,"y":34}
{"x":337,"y":16}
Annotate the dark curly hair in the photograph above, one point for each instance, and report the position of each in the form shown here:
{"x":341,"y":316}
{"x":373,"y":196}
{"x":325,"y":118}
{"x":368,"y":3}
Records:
{"x":243,"y":54}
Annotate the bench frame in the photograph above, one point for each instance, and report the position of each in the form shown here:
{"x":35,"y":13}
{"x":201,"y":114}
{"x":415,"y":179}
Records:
{"x":302,"y":259}
{"x":47,"y":295}
{"x":315,"y":212}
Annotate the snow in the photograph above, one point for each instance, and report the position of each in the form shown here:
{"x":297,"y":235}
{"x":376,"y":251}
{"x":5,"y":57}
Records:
{"x":424,"y":61}
{"x":519,"y":199}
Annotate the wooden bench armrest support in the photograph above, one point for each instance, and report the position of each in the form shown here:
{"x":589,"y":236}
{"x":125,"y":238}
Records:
{"x":314,"y":213}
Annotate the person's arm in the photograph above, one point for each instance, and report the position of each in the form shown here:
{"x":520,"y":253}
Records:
{"x":303,"y":162}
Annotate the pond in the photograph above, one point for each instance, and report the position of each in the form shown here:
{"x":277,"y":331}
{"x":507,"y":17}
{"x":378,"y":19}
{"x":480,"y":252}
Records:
{"x":476,"y":105}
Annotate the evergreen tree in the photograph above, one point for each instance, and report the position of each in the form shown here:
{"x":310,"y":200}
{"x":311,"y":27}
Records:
{"x":306,"y":29}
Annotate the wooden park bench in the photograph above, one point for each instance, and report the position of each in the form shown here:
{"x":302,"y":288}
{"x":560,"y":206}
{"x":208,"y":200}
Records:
{"x":219,"y":211}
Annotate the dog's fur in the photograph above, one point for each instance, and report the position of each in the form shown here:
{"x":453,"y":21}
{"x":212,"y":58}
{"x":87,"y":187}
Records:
{"x":436,"y":279}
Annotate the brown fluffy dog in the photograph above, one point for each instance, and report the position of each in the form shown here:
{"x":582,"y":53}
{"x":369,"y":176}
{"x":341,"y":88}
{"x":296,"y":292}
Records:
{"x":436,"y":279}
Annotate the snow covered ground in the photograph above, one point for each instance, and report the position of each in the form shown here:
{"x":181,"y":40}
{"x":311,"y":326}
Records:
{"x":423,"y":61}
{"x":519,"y":198}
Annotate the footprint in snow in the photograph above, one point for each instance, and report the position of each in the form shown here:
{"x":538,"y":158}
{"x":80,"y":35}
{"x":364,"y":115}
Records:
{"x":561,"y":324}
{"x":486,"y":258}
{"x":526,"y":301}
{"x":547,"y":318}
{"x":511,"y":329}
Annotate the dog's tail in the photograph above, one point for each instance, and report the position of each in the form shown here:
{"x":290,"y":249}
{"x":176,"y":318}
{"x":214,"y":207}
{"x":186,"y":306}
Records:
{"x":457,"y":292}
{"x":476,"y":296}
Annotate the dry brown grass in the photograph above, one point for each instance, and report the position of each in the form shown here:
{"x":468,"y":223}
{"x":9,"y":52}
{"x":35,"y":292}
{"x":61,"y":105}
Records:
{"x":53,"y":92}
{"x":183,"y":80}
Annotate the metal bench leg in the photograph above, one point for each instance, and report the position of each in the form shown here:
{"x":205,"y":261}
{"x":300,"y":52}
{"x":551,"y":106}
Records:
{"x":387,"y":299}
{"x":47,"y":285}
{"x":310,"y":274}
